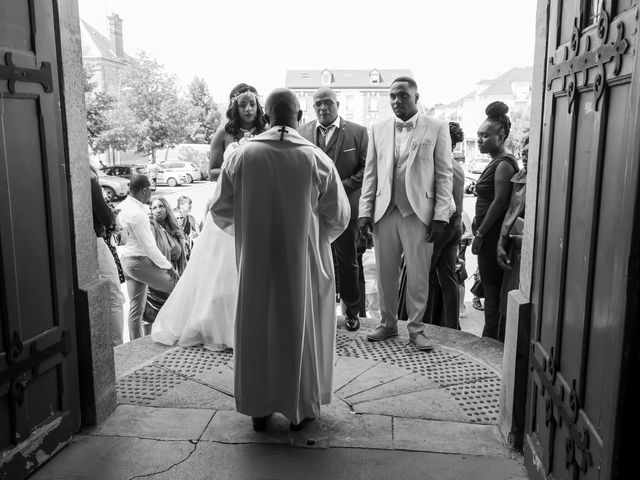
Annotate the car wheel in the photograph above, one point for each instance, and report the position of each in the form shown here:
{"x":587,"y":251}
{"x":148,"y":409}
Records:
{"x":109,"y":193}
{"x":189,"y":178}
{"x":172,"y":182}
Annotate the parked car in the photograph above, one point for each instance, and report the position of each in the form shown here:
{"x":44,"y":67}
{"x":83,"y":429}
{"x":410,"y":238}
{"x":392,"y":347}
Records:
{"x":192,"y":153}
{"x":125,"y":171}
{"x":478,"y":164}
{"x":113,"y":187}
{"x":189,"y":169}
{"x":170,"y":177}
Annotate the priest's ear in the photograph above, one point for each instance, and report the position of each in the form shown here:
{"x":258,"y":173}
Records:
{"x":299,"y":115}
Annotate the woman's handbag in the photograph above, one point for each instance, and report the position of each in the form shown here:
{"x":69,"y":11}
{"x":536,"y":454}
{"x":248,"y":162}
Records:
{"x":476,"y":288}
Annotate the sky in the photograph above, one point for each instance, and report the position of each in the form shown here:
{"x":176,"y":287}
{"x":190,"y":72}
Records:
{"x":448,"y":45}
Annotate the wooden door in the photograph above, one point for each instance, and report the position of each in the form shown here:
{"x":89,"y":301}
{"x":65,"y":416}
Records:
{"x":39,"y":406}
{"x":584,"y":255}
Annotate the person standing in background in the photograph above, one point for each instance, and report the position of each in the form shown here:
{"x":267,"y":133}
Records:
{"x":345,"y":143}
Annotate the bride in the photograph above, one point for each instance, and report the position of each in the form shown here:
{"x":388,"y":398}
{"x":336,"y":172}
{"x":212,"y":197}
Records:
{"x":201,"y":308}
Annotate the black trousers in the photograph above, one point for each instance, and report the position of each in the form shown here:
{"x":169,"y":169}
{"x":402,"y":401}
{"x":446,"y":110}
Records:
{"x":345,"y":248}
{"x":443,"y":304}
{"x":491,"y":279}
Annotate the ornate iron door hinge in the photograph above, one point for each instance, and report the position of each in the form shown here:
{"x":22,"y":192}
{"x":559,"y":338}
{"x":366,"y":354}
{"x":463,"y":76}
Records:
{"x":583,"y":444}
{"x":598,"y":58}
{"x":18,"y":74}
{"x":17,"y":373}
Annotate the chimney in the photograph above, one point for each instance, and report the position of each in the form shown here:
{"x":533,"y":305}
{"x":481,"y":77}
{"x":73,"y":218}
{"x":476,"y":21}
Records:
{"x":115,"y":35}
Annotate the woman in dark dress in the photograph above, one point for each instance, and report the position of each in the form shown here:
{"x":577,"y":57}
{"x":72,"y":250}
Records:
{"x":245,"y":120}
{"x":493,"y":194}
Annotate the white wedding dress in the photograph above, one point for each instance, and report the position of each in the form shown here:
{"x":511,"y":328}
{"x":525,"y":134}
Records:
{"x":201,"y":309}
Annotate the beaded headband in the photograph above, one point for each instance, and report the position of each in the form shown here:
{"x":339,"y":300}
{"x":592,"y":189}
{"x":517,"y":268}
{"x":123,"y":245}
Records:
{"x":246,"y":92}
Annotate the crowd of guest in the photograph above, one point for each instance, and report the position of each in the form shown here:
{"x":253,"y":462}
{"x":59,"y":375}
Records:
{"x":419,"y":241}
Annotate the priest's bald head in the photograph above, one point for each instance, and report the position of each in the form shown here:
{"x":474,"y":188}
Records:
{"x":282,"y":108}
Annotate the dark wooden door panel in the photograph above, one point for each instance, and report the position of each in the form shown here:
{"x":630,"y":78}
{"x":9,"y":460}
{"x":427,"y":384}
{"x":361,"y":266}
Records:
{"x":38,"y":367}
{"x":583,"y":239}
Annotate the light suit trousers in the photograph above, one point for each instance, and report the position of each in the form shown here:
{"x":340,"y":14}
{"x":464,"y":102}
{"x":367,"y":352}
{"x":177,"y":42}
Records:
{"x":394,"y":235}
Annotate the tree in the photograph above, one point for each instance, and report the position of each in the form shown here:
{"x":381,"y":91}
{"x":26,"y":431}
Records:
{"x":205,"y":112}
{"x":162,"y":118}
{"x":520,"y":120}
{"x":98,"y":107}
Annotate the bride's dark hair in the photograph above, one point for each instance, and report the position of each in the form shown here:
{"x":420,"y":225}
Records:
{"x":233,"y":116}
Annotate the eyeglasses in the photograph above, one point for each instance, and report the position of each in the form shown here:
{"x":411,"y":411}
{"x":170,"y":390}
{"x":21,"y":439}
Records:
{"x":323,"y":103}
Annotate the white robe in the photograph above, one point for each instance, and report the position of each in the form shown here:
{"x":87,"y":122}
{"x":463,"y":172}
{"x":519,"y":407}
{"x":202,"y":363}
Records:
{"x":286,"y":204}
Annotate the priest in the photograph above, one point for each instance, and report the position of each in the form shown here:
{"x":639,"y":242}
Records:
{"x":283,"y":199}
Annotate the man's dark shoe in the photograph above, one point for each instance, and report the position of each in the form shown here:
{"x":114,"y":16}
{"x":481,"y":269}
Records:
{"x":352,"y":324}
{"x":381,"y":333}
{"x":299,"y":426}
{"x":260,"y":423}
{"x":477,"y":304}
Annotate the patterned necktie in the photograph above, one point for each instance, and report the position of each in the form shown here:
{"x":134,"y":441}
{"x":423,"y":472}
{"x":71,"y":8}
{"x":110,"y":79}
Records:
{"x":325,"y":131}
{"x":401,"y":125}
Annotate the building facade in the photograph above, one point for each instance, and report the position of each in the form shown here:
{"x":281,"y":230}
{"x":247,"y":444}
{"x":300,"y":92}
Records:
{"x":104,"y":57}
{"x":363,"y":94}
{"x":512,"y":88}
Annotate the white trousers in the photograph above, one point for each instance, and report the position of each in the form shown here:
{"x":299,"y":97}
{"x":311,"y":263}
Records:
{"x":394,"y":235}
{"x":107,"y":270}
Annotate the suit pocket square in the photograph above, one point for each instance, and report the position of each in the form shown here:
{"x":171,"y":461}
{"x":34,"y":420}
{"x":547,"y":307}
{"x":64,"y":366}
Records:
{"x":349,"y":150}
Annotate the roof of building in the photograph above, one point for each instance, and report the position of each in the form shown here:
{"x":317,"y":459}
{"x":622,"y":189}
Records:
{"x":343,"y":78}
{"x":502,"y":84}
{"x":95,"y":44}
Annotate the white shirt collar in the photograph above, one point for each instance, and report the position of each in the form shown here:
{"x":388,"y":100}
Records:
{"x":336,"y":123}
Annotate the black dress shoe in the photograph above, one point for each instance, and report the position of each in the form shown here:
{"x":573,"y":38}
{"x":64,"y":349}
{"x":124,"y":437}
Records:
{"x":296,"y":427}
{"x":352,"y":324}
{"x":260,"y":423}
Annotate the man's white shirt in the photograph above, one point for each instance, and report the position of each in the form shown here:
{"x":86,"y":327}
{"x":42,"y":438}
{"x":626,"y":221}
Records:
{"x":134,"y":220}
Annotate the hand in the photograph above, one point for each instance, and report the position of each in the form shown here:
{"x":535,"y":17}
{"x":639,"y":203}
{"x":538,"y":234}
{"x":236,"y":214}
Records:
{"x":193,"y":234}
{"x":435,"y":229}
{"x":365,"y":225}
{"x":174,"y":274}
{"x":476,"y":246}
{"x":503,"y":258}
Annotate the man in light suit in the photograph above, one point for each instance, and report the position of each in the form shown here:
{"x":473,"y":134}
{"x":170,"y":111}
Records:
{"x":346,"y":144}
{"x":406,"y":202}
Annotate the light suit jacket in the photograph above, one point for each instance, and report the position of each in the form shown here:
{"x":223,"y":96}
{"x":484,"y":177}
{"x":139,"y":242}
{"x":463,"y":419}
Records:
{"x":429,"y":173}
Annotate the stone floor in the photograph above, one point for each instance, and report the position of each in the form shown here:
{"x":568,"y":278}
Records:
{"x":396,"y":411}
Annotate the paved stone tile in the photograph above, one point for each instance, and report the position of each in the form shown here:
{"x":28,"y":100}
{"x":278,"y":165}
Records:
{"x":336,"y":427}
{"x":191,"y":394}
{"x":448,"y":437}
{"x":410,"y":382}
{"x":433,"y":404}
{"x":132,"y":356}
{"x":271,"y":462}
{"x":156,"y":423}
{"x":220,"y":377}
{"x":348,"y":368}
{"x":113,"y":458}
{"x":380,"y":374}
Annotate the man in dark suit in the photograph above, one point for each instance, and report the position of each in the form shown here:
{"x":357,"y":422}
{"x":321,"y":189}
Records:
{"x":346,"y":144}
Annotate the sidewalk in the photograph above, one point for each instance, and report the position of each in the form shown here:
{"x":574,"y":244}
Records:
{"x":397,"y":413}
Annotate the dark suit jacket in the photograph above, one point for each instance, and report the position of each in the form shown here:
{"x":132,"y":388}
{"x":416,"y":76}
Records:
{"x":350,"y":142}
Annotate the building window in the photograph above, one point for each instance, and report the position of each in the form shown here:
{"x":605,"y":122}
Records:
{"x":350,"y":103}
{"x":326,"y":77}
{"x":374,"y":76}
{"x":373,"y":103}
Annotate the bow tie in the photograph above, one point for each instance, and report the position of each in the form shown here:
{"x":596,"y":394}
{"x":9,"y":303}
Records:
{"x":400,"y":125}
